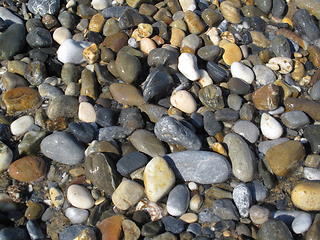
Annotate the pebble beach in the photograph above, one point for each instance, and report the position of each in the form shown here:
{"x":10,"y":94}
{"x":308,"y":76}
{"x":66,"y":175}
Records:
{"x":159,"y":120}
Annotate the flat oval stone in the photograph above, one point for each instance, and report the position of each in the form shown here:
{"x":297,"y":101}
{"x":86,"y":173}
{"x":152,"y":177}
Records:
{"x":302,"y":223}
{"x":247,"y":130}
{"x":285,"y":158}
{"x":178,"y":200}
{"x":76,"y":215}
{"x":295,"y":119}
{"x":195,"y":25}
{"x":234,"y":101}
{"x":264,"y":75}
{"x":274,"y":229}
{"x":172,"y":224}
{"x":232,"y":53}
{"x":28,"y":169}
{"x":211,"y":96}
{"x":100,"y":166}
{"x":281,"y":46}
{"x":210,"y":167}
{"x":184,"y":101}
{"x":158,"y":179}
{"x":216,"y":72}
{"x":63,"y":148}
{"x":128,"y":67}
{"x":131,"y":162}
{"x":79,"y":197}
{"x":225,"y":209}
{"x":130,"y":229}
{"x":89,"y":85}
{"x":34,"y":230}
{"x":238,"y":86}
{"x":146,"y":142}
{"x":305,"y":195}
{"x":86,"y":112}
{"x":63,"y":106}
{"x":76,"y":48}
{"x":172,"y":131}
{"x":48,"y":91}
{"x":270,"y":127}
{"x":239,"y":70}
{"x":21,"y":99}
{"x":242,"y":158}
{"x":126,"y":94}
{"x":20,"y":126}
{"x":209,"y":53}
{"x":258,"y":214}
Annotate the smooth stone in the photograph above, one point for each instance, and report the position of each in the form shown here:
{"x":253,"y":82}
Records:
{"x":248,"y":130}
{"x":209,"y":53}
{"x":226,"y":115}
{"x":35,"y":73}
{"x":76,"y":48}
{"x":30,"y":144}
{"x":259,"y":39}
{"x":131,"y":120}
{"x":11,"y":81}
{"x":216,"y":72}
{"x":314,"y":230}
{"x":258,"y":191}
{"x":48,"y":91}
{"x":264,"y":75}
{"x":211,"y":125}
{"x":314,"y":92}
{"x":307,"y":106}
{"x":43,"y":7}
{"x":258,"y":214}
{"x":270,"y":127}
{"x":211,"y":96}
{"x":195,"y":24}
{"x":242,"y":198}
{"x":151,"y":229}
{"x":267,"y":97}
{"x":63,"y":106}
{"x":63,"y":148}
{"x":183,"y":101}
{"x":8,"y":17}
{"x":110,"y":228}
{"x":177,"y":35}
{"x":34,"y":211}
{"x":79,"y":197}
{"x":264,"y":146}
{"x":129,"y":18}
{"x":131,"y":162}
{"x":314,"y":55}
{"x":210,"y":168}
{"x":115,"y":41}
{"x":146,"y":142}
{"x":311,"y":173}
{"x":106,"y":117}
{"x":229,"y":12}
{"x":187,"y":65}
{"x":195,"y":203}
{"x":225,"y":209}
{"x":13,"y":233}
{"x":239,"y":70}
{"x":82,"y":131}
{"x":100,"y":166}
{"x":312,"y":6}
{"x":130,"y":229}
{"x":12,"y":41}
{"x":6,"y":203}
{"x":76,"y":215}
{"x":211,"y":17}
{"x":101,"y":4}
{"x":303,"y":23}
{"x":126,"y":94}
{"x":70,"y":73}
{"x":85,"y":11}
{"x":190,"y":44}
{"x":178,"y":200}
{"x":295,"y":119}
{"x":189,"y":217}
{"x":281,"y":46}
{"x":6,"y":156}
{"x":304,"y":196}
{"x":293,"y":37}
{"x":71,"y":233}
{"x":173,"y":225}
{"x":264,"y":5}
{"x":28,"y":169}
{"x":187,"y":5}
{"x":154,"y":112}
{"x":34,"y":230}
{"x":301,"y":223}
{"x":128,"y":67}
{"x":39,"y":37}
{"x":238,"y":86}
{"x":232,"y":53}
{"x":89,"y":85}
{"x":110,"y":133}
{"x":278,"y":8}
{"x":21,"y":125}
{"x":242,"y":158}
{"x":285,"y":158}
{"x":61,"y":34}
{"x":86,"y":112}
{"x":158,"y":179}
{"x":247,"y":112}
{"x":170,"y":130}
{"x":274,"y":229}
{"x":127,"y":194}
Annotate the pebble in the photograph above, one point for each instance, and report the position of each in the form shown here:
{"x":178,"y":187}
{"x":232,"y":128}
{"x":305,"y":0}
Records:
{"x":304,"y":196}
{"x":248,"y":130}
{"x":73,"y":231}
{"x":225,"y":209}
{"x":232,"y":53}
{"x":241,"y":71}
{"x":12,"y":41}
{"x":10,"y":233}
{"x":6,"y":156}
{"x":173,"y":225}
{"x":230,"y":13}
{"x":301,"y":223}
{"x":258,"y":191}
{"x":242,"y":158}
{"x":303,"y":23}
{"x":189,"y":217}
{"x":126,"y":94}
{"x":76,"y":215}
{"x":79,"y":197}
{"x":195,"y":202}
{"x":270,"y":127}
{"x":295,"y":119}
{"x":263,"y":75}
{"x":8,"y":17}
{"x":131,"y":162}
{"x":111,"y":227}
{"x":21,"y":125}
{"x":86,"y":112}
{"x":56,"y":196}
{"x":76,"y":48}
{"x":311,"y":173}
{"x":178,"y":200}
{"x":258,"y":214}
{"x":242,"y":198}
{"x":61,"y":34}
{"x":267,"y":97}
{"x":62,"y":147}
{"x":184,"y":101}
{"x":63,"y":106}
{"x":44,"y":7}
{"x":211,"y":167}
{"x":187,"y":65}
{"x":6,"y":203}
{"x":274,"y":229}
{"x":34,"y":230}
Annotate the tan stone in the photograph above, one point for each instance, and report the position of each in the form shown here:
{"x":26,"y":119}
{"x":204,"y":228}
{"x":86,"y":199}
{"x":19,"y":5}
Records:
{"x":146,"y":45}
{"x":189,"y":217}
{"x":266,"y":98}
{"x":177,"y":35}
{"x":194,"y":23}
{"x":232,"y":53}
{"x":306,"y":196}
{"x":314,"y":55}
{"x":145,"y":30}
{"x":299,"y":71}
{"x":259,"y":39}
{"x":130,"y":230}
{"x":230,"y":13}
{"x":126,"y":94}
{"x":92,"y":53}
{"x":287,"y":90}
{"x":96,"y":23}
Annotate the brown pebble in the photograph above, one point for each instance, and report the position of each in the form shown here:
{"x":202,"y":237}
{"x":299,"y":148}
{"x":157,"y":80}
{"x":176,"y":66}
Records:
{"x":34,"y":211}
{"x":111,"y":228}
{"x":309,"y":107}
{"x":195,"y":25}
{"x":96,"y":23}
{"x":115,"y":41}
{"x":314,"y":55}
{"x":126,"y":94}
{"x":266,"y":98}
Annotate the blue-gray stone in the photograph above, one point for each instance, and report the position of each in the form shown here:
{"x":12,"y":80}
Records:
{"x":247,"y":130}
{"x":62,"y":147}
{"x":43,"y":7}
{"x":234,"y":101}
{"x":67,"y":20}
{"x":196,"y":119}
{"x":258,"y":191}
{"x":257,"y":24}
{"x":226,"y":115}
{"x":281,"y":47}
{"x":264,"y":5}
{"x":34,"y":230}
{"x":217,"y":73}
{"x":113,"y":12}
{"x":170,"y":130}
{"x":173,"y":225}
{"x":274,"y":229}
{"x":199,"y":166}
{"x":278,"y":8}
{"x":303,"y":23}
{"x":48,"y":91}
{"x":315,"y":91}
{"x":39,"y":37}
{"x":194,"y":228}
{"x":72,"y":232}
{"x":211,"y":125}
{"x":264,"y":75}
{"x":225,"y":209}
{"x":14,"y":233}
{"x":130,"y":18}
{"x":207,"y":231}
{"x":12,"y":41}
{"x":110,"y":133}
{"x":242,"y":198}
{"x":83,"y":131}
{"x":295,"y":119}
{"x":131,"y":119}
{"x":286,"y":216}
{"x":8,"y":17}
{"x":131,"y":162}
{"x":178,"y":200}
{"x":209,"y":53}
{"x":106,"y":117}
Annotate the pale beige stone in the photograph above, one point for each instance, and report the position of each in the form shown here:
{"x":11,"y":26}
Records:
{"x":189,"y":217}
{"x":177,"y":35}
{"x":184,"y":101}
{"x":86,"y":112}
{"x":230,"y":13}
{"x":146,"y":45}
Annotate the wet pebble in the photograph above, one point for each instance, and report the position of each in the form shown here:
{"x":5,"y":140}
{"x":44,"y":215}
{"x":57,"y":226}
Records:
{"x":131,"y":162}
{"x":178,"y":200}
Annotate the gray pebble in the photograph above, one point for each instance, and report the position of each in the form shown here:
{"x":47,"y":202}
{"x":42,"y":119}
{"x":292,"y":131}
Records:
{"x":225,"y":209}
{"x":258,"y":191}
{"x":295,"y":119}
{"x":315,"y":91}
{"x":234,"y":101}
{"x":178,"y":200}
{"x":242,"y":198}
{"x":248,"y":130}
{"x":264,"y":75}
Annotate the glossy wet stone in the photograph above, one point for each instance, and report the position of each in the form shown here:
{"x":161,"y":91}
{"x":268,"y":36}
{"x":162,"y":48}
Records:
{"x":247,"y":129}
{"x":311,"y":132}
{"x":303,"y":23}
{"x":211,"y":125}
{"x":217,"y":73}
{"x":63,"y":106}
{"x":307,"y":106}
{"x":266,"y":98}
{"x":128,"y":67}
{"x":12,"y":41}
{"x":295,"y":119}
{"x":131,"y":162}
{"x":126,"y":94}
{"x":83,"y":131}
{"x":35,"y":73}
{"x":281,"y":47}
{"x":211,"y":96}
{"x":178,"y":200}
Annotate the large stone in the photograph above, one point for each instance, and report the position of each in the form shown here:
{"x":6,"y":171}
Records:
{"x":305,"y":196}
{"x":63,"y":106}
{"x":274,"y":229}
{"x":309,"y":107}
{"x":12,"y":41}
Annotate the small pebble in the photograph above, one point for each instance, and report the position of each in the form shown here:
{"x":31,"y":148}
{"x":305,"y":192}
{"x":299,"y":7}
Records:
{"x":76,"y":215}
{"x":79,"y":197}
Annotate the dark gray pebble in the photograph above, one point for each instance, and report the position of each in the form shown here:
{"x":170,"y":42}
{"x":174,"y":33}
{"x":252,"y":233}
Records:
{"x":226,"y":115}
{"x":131,"y":119}
{"x":131,"y":162}
{"x":12,"y":41}
{"x":130,"y":18}
{"x":274,"y":229}
{"x":197,"y":120}
{"x":312,"y":133}
{"x":35,"y":73}
{"x":211,"y":125}
{"x":14,"y":233}
{"x":304,"y":24}
{"x":85,"y":132}
{"x":225,"y":209}
{"x":209,"y":53}
{"x":106,"y":117}
{"x":281,"y":47}
{"x":217,"y":73}
{"x":278,"y":8}
{"x":194,"y":228}
{"x":173,"y":225}
{"x":34,"y":230}
{"x":72,"y":232}
{"x":39,"y":37}
{"x":152,"y":229}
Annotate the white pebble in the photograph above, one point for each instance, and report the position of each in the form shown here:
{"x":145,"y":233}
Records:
{"x":76,"y":215}
{"x":101,"y":4}
{"x":76,"y":48}
{"x":86,"y":112}
{"x":301,"y":223}
{"x":285,"y":64}
{"x":20,"y":126}
{"x":80,"y":197}
{"x":204,"y":79}
{"x":192,"y":186}
{"x":187,"y":65}
{"x":239,"y":70}
{"x":61,"y":34}
{"x":184,"y":101}
{"x":270,"y":127}
{"x":195,"y":202}
{"x":6,"y":203}
{"x":311,"y":173}
{"x":258,"y":214}
{"x":5,"y":157}
{"x":188,"y":5}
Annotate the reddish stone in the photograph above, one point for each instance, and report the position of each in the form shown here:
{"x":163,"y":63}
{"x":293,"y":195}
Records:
{"x":115,"y":41}
{"x":21,"y":99}
{"x":111,"y":227}
{"x":28,"y":169}
{"x":266,"y":98}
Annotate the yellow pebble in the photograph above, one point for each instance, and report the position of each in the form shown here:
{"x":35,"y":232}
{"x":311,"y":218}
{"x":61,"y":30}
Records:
{"x":287,"y":20}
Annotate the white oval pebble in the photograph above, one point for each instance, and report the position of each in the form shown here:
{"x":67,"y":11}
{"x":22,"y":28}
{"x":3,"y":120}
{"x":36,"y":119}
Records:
{"x":311,"y":173}
{"x":74,"y":47}
{"x":301,"y":223}
{"x":80,"y":197}
{"x":20,"y":126}
{"x":270,"y":127}
{"x":86,"y":112}
{"x":239,"y":70}
{"x":76,"y":215}
{"x":204,"y":79}
{"x":192,"y":186}
{"x":61,"y":34}
{"x":101,"y":4}
{"x":184,"y":101}
{"x":5,"y":157}
{"x":6,"y":203}
{"x":195,"y":202}
{"x":258,"y":214}
{"x":187,"y":65}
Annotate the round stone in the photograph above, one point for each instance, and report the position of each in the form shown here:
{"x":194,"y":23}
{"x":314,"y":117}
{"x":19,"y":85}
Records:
{"x":301,"y":223}
{"x":61,"y":34}
{"x":232,"y":53}
{"x":21,"y":125}
{"x":86,"y":112}
{"x":76,"y":215}
{"x":238,"y":86}
{"x":39,"y":37}
{"x":305,"y":196}
{"x":43,"y":7}
{"x":79,"y":197}
{"x":128,"y":67}
{"x":184,"y":101}
{"x":63,"y":106}
{"x":126,"y":94}
{"x":247,"y":130}
{"x":230,"y":13}
{"x":258,"y":214}
{"x":274,"y":229}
